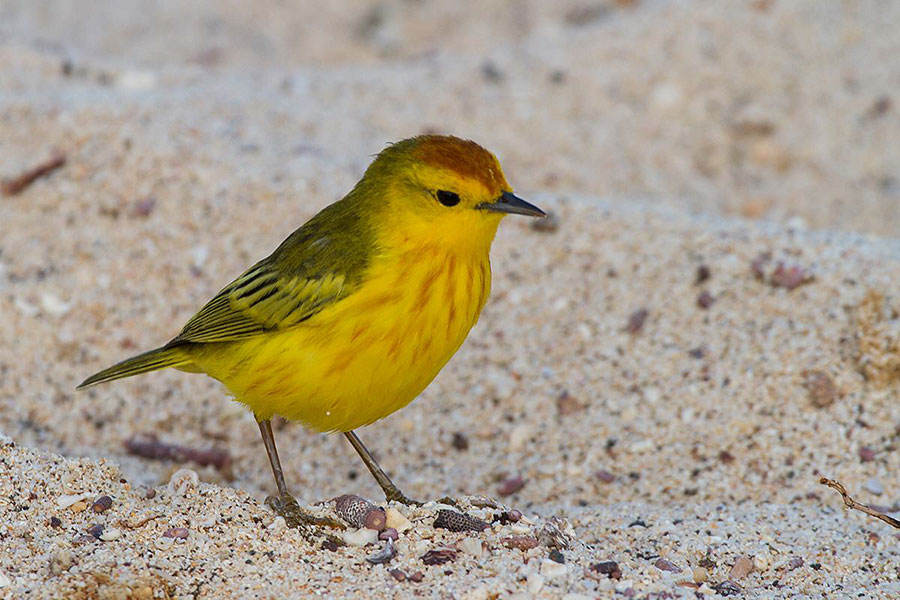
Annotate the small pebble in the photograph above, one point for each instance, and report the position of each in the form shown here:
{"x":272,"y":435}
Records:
{"x":101,"y":504}
{"x":143,"y":207}
{"x":636,"y":321}
{"x":398,"y":574}
{"x":471,"y":546}
{"x":552,"y":569}
{"x":110,"y":534}
{"x":605,"y":476}
{"x":360,"y":537}
{"x":416,"y":577}
{"x":742,"y":567}
{"x":608,"y":568}
{"x":55,"y":522}
{"x":460,"y":441}
{"x":511,"y":485}
{"x":666,"y":565}
{"x":795,"y":563}
{"x":68,"y":500}
{"x":790,"y":277}
{"x":866,"y":454}
{"x":557,"y":556}
{"x":178,"y":533}
{"x":95,"y":530}
{"x":566,"y":404}
{"x":330,"y":545}
{"x":79,"y":506}
{"x":394,"y":519}
{"x":820,"y":388}
{"x":699,"y":574}
{"x":389,"y":534}
{"x":509,"y":516}
{"x":703,"y":274}
{"x":520,"y":542}
{"x":705,"y":299}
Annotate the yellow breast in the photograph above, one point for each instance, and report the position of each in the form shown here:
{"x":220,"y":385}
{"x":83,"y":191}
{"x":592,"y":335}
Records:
{"x":368,"y":355}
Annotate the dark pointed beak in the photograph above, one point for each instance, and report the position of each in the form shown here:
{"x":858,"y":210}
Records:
{"x":512,"y":204}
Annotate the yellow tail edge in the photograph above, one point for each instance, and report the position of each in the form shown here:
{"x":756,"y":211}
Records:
{"x":161,"y":358}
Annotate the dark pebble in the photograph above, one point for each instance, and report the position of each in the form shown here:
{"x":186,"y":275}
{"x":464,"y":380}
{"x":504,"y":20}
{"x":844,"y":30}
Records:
{"x":398,"y":574}
{"x":509,"y":516}
{"x":55,"y":522}
{"x":705,"y":299}
{"x":330,"y":545}
{"x":636,"y":321}
{"x":416,"y":577}
{"x":605,"y":476}
{"x":557,"y":556}
{"x":389,"y":534}
{"x":101,"y":504}
{"x":491,"y":72}
{"x":95,"y":530}
{"x":460,"y":441}
{"x":510,"y":485}
{"x":866,"y":454}
{"x":609,"y":568}
{"x":703,"y":274}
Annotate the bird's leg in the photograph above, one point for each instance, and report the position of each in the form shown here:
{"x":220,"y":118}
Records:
{"x":285,"y":504}
{"x":391,"y":491}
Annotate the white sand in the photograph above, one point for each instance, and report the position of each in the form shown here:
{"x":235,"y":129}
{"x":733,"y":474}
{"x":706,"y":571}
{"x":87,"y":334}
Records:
{"x":675,"y":129}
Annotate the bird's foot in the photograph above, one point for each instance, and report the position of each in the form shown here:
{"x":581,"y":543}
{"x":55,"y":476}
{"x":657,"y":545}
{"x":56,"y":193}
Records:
{"x":309,"y":525}
{"x":395,"y":495}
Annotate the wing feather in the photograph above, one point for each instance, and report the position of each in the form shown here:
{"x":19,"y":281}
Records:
{"x":260,"y":301}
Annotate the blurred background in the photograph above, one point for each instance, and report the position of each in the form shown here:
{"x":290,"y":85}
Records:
{"x":197,"y":135}
{"x":758,"y":108}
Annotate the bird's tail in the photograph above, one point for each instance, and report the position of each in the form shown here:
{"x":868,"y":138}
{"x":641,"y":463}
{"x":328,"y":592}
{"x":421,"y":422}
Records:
{"x":153,"y":360}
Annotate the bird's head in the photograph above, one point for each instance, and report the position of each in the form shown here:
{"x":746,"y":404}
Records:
{"x":444,"y":190}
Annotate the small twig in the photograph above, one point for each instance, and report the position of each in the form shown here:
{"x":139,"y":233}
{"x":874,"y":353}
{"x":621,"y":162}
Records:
{"x":853,"y":504}
{"x":150,"y":447}
{"x":15,"y":185}
{"x":140,"y":523}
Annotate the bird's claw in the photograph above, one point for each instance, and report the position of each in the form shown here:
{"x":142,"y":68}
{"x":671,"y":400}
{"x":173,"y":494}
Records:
{"x":309,"y":525}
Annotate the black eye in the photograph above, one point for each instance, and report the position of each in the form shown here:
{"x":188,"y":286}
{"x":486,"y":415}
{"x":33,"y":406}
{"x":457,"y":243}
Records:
{"x":447,"y":198}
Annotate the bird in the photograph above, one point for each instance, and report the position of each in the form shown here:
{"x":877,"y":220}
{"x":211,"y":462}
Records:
{"x":356,"y":312}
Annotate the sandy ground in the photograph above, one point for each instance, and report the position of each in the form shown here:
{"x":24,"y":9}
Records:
{"x":730,"y":168}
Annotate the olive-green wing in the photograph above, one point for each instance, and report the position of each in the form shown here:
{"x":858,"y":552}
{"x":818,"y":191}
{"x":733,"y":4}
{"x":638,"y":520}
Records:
{"x":319,"y":264}
{"x":259,"y":301}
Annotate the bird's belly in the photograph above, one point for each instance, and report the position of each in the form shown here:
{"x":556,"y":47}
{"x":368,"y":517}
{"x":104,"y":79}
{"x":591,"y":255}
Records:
{"x":365,"y":358}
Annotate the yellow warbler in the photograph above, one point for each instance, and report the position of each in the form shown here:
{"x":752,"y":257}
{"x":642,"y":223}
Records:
{"x":354,"y":314}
